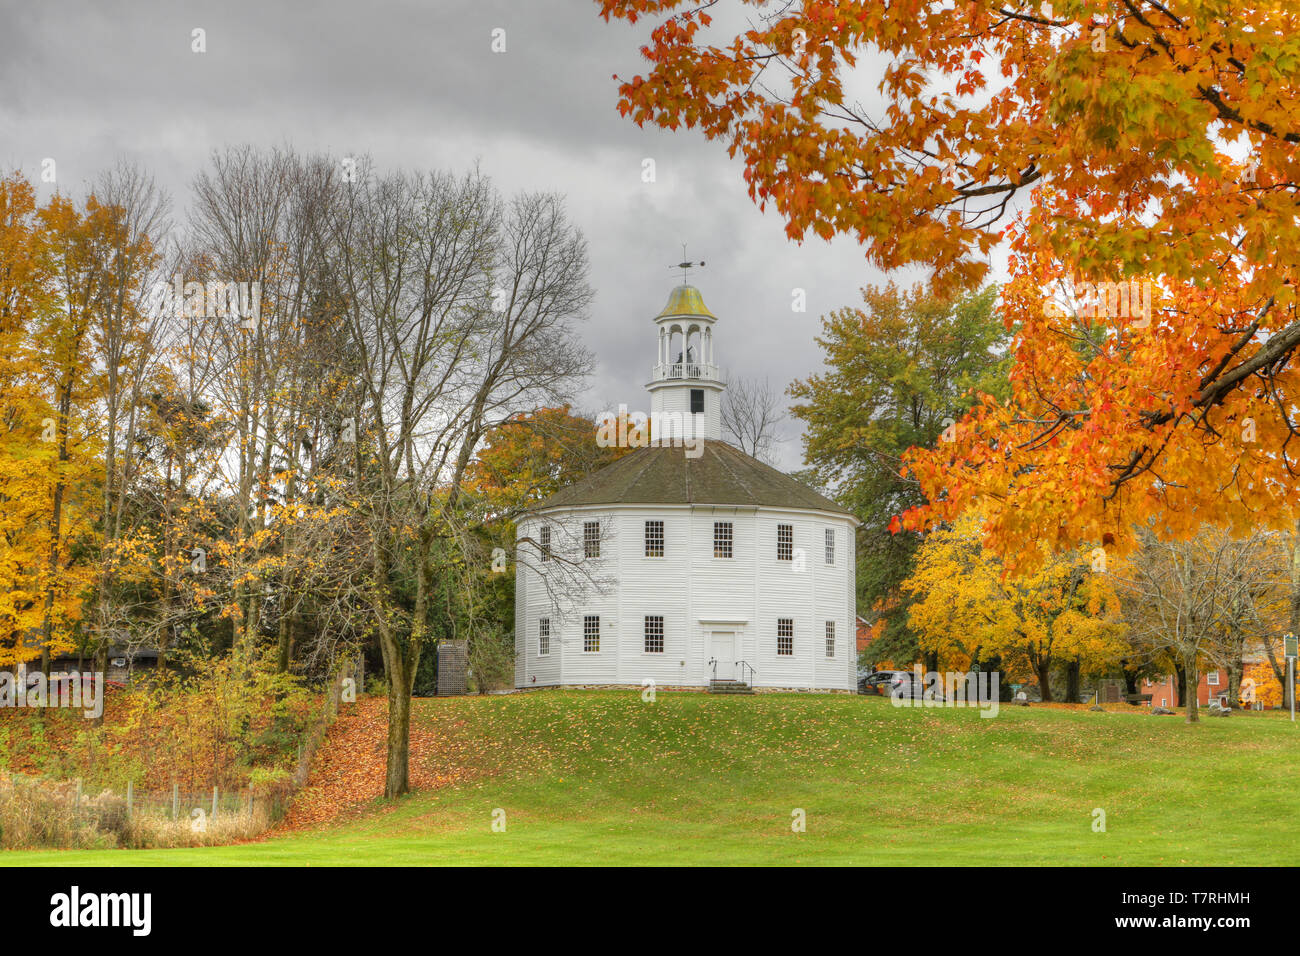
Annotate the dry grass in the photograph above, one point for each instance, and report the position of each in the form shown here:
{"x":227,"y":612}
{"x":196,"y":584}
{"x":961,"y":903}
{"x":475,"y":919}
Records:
{"x":42,"y":814}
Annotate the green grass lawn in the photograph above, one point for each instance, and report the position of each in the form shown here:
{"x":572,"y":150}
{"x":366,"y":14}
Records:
{"x":599,"y":777}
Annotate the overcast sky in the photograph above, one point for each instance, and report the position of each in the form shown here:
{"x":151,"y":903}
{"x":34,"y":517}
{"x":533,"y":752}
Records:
{"x":417,"y":85}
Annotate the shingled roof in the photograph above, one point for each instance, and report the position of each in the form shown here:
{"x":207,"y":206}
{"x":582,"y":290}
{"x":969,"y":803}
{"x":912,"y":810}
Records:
{"x":663,"y":474}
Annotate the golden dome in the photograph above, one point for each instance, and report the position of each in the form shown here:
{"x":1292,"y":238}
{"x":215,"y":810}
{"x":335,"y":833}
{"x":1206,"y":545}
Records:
{"x":685,"y":300}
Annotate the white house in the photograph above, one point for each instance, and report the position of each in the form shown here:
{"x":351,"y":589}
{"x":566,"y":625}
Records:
{"x":686,"y":563}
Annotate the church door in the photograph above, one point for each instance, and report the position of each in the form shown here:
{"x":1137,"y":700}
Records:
{"x":724,"y":652}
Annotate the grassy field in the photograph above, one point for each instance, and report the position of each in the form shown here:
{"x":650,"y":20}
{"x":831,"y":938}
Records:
{"x":599,"y":777}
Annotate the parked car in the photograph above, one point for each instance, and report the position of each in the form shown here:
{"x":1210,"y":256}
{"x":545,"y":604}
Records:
{"x":904,"y":684}
{"x":876,"y":682}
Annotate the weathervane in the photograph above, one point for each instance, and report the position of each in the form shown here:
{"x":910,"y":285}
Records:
{"x":686,"y":265}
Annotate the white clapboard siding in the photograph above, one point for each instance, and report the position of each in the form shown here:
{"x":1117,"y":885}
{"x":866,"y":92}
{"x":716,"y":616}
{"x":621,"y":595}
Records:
{"x":695,"y":593}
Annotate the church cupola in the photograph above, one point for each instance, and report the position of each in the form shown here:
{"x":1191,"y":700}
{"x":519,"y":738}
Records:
{"x":686,"y":386}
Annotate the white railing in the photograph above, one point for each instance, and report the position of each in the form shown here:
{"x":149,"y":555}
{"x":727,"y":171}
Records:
{"x":686,"y":370}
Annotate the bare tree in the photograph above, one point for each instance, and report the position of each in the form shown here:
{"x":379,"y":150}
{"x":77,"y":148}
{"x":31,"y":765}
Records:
{"x":314,"y":452}
{"x":1195,"y":603}
{"x":751,"y":412}
{"x":238,"y":222}
{"x":458,"y":309}
{"x":261,"y":221}
{"x":128,"y":335}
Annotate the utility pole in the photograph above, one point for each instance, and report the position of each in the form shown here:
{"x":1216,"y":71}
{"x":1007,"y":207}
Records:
{"x":1289,"y":643}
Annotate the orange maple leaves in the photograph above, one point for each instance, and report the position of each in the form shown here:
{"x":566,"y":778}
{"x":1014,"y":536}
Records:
{"x":1160,"y":146}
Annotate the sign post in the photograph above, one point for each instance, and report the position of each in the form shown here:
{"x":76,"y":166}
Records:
{"x":1290,"y":647}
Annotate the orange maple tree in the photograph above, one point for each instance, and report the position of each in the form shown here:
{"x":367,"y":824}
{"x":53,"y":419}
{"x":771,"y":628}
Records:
{"x":535,"y":454}
{"x":1142,"y":141}
{"x":1176,"y":411}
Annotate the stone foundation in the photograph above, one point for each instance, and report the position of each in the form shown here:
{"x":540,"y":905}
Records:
{"x":688,"y":688}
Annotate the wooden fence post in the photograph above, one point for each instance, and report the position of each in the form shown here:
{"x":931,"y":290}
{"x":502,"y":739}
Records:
{"x":176,"y":800}
{"x":130,"y":798}
{"x":214,"y":801}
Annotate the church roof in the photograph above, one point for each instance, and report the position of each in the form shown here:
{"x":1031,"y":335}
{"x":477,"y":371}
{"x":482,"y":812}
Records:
{"x":664,"y":474}
{"x":686,"y":301}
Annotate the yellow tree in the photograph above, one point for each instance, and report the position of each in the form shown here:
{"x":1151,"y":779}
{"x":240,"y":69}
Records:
{"x":26,"y":423}
{"x":968,"y":608}
{"x":54,"y":261}
{"x":81,"y":247}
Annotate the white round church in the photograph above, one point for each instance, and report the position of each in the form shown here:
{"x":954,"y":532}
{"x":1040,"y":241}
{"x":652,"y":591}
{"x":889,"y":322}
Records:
{"x":686,"y":562}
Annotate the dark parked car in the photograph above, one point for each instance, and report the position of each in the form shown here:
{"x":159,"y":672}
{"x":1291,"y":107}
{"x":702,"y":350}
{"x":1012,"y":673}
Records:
{"x":905,"y":685}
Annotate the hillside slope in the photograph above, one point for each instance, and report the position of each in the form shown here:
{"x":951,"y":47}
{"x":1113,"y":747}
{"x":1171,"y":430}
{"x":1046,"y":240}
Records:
{"x":602,"y":777}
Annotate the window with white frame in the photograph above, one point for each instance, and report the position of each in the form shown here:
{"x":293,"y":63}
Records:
{"x":1212,"y":678}
{"x":543,"y":637}
{"x":830,"y":545}
{"x":591,"y":633}
{"x":591,"y":539}
{"x":654,"y":539}
{"x":722,"y":538}
{"x":654,"y":634}
{"x":830,"y":638}
{"x":785,"y":542}
{"x":785,"y":636}
{"x":544,"y":541}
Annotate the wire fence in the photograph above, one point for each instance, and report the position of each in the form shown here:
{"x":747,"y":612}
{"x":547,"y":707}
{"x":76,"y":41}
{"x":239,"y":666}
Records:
{"x":170,"y":804}
{"x":178,"y":804}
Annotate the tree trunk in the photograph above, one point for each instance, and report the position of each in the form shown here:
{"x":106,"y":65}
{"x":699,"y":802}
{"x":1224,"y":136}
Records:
{"x":400,"y":661}
{"x":1279,"y":671}
{"x":1072,"y":682}
{"x":1180,"y":696}
{"x":1235,"y":668}
{"x":1190,"y":680}
{"x":101,"y":672}
{"x":1130,"y":677}
{"x":397,"y":778}
{"x":282,"y":660}
{"x":1043,"y":668}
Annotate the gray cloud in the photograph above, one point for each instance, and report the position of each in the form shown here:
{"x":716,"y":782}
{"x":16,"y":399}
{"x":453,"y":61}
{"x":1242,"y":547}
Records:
{"x":417,"y":85}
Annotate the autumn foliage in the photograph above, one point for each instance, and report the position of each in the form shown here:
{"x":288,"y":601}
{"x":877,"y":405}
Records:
{"x":535,"y":454}
{"x":968,"y":611}
{"x":54,"y":272}
{"x":1109,"y":142}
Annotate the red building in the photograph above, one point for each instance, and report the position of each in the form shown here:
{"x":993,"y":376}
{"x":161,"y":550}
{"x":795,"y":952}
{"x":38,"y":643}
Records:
{"x":864,"y":634}
{"x":1213,"y":684}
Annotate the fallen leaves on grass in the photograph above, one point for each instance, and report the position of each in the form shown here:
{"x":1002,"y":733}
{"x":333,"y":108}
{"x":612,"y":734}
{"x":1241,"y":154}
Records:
{"x":349,"y":769}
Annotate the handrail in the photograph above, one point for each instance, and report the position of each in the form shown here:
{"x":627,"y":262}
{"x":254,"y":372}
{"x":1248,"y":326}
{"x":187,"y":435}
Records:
{"x":744,"y":665}
{"x":673,"y":370}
